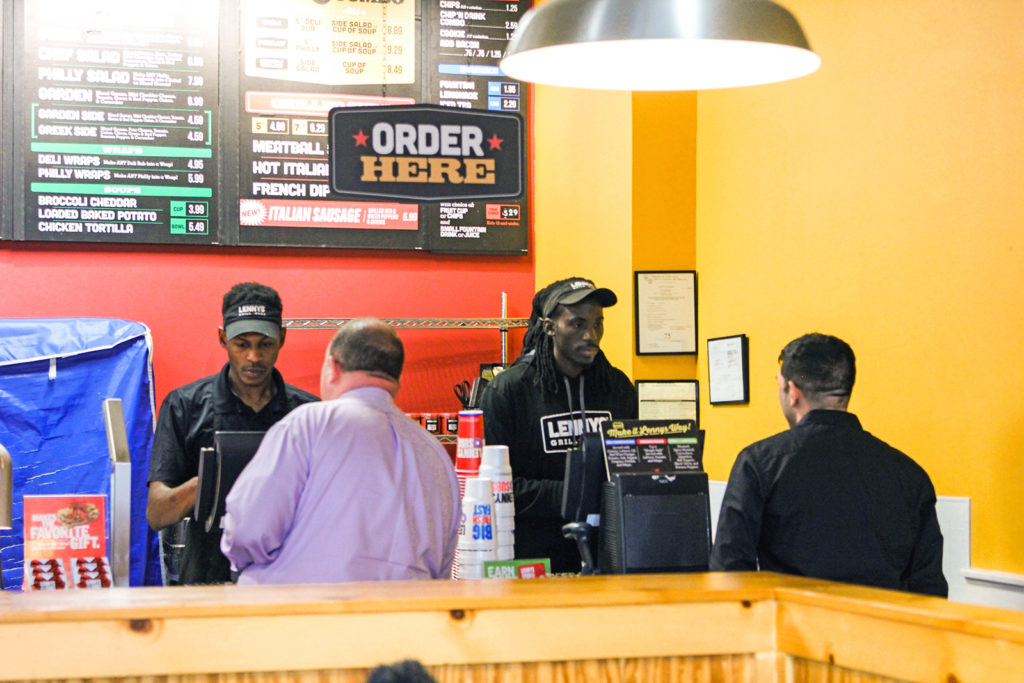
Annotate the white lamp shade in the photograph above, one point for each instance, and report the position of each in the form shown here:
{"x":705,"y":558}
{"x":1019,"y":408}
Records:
{"x":658,"y":44}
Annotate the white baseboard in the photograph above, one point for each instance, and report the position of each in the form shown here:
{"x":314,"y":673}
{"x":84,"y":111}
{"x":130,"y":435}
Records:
{"x":995,"y":589}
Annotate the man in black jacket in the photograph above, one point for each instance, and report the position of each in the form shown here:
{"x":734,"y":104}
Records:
{"x":541,"y":405}
{"x":827,"y":499}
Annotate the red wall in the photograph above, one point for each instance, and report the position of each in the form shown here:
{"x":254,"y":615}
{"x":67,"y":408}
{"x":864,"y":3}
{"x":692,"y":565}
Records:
{"x":177,"y":293}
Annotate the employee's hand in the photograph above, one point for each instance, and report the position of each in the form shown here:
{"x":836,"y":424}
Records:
{"x":166,"y":506}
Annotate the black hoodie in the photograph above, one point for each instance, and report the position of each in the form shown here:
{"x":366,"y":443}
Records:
{"x":539,"y":427}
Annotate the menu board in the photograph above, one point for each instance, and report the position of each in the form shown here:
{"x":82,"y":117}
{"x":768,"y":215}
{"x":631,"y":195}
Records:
{"x":117,"y":104}
{"x":302,"y":58}
{"x":206,"y":122}
{"x":465,"y":44}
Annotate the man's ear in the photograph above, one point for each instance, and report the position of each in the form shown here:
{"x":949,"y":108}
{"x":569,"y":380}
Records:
{"x":334,"y":373}
{"x":281,"y":338}
{"x":222,"y":337}
{"x":548,"y":326}
{"x":793,"y":393}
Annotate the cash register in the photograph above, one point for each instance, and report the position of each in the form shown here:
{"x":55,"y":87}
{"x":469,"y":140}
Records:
{"x":636,"y":494}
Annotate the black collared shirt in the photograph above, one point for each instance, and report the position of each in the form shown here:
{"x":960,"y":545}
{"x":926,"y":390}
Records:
{"x":827,"y":499}
{"x":188,"y":418}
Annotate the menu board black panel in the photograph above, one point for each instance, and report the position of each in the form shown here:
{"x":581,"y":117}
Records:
{"x":116,"y":121}
{"x":6,"y":82}
{"x":466,"y":42}
{"x":302,"y":58}
{"x":132,"y":122}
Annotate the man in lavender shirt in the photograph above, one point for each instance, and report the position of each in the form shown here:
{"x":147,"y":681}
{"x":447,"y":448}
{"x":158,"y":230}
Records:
{"x":347,"y":489}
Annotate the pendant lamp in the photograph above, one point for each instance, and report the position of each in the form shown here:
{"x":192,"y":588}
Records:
{"x":658,"y":44}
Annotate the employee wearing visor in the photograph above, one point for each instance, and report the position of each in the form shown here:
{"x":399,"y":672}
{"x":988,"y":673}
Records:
{"x":248,"y":394}
{"x":541,"y":405}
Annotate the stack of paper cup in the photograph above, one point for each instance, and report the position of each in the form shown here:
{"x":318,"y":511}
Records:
{"x":470,"y":443}
{"x":477,"y":540}
{"x":494,"y":466}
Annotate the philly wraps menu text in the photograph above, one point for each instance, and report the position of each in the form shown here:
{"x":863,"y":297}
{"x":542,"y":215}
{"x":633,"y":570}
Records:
{"x":119,"y":101}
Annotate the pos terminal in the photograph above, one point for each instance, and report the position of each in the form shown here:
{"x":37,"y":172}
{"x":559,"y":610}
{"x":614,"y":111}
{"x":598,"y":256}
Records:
{"x":640,"y":486}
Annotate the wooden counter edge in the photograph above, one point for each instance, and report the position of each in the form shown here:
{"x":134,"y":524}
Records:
{"x":404,"y":596}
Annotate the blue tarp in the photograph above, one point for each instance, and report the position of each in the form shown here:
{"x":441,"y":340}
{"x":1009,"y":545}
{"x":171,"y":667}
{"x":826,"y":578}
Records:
{"x":54,"y":376}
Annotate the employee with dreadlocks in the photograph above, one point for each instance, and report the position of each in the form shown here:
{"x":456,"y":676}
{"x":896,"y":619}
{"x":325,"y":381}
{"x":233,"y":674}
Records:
{"x":541,"y":405}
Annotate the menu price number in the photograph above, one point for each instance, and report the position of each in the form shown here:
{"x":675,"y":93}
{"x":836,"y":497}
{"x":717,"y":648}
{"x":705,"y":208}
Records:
{"x":180,"y":209}
{"x":183,"y":226}
{"x":262,"y":124}
{"x":509,"y":212}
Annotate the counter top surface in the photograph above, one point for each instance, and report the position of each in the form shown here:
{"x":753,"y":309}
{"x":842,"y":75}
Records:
{"x":552,"y":592}
{"x":700,"y":619}
{"x":568,"y":591}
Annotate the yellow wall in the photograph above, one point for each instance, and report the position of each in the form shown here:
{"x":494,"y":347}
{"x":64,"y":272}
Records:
{"x":582,"y":220}
{"x":664,"y":204}
{"x":880,"y":199}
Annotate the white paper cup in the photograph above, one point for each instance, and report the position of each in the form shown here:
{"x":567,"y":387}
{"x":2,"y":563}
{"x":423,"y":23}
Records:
{"x":471,"y":571}
{"x":467,"y":557}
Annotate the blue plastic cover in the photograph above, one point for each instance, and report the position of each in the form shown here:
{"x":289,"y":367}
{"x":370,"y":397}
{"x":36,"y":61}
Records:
{"x":54,"y":376}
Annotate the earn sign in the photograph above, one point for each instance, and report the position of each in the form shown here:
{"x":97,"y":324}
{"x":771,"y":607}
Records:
{"x":425,"y":152}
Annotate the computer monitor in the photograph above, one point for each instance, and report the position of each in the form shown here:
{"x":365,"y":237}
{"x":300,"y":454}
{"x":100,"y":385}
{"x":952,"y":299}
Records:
{"x":233,"y":452}
{"x":584,"y":472}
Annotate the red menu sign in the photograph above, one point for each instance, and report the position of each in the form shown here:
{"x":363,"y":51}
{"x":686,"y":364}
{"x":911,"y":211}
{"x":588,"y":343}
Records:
{"x":66,"y":542}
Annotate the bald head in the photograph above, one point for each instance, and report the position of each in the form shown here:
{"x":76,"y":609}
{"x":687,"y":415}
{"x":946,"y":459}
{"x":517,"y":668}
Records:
{"x":365,"y":352}
{"x":369,"y":345}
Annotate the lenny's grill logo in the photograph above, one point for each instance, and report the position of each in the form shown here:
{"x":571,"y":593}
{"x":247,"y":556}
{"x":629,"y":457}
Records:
{"x":560,"y":432}
{"x":251,"y":309}
{"x":425,"y":152}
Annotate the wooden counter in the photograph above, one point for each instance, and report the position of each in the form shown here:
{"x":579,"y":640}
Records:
{"x":682,"y":627}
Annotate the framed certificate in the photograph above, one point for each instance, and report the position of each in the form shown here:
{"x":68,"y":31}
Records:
{"x":666,"y":311}
{"x":728,"y":372}
{"x":668,"y":399}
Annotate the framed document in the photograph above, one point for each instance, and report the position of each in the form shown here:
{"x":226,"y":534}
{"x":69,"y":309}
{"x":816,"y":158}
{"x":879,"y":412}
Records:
{"x":668,"y":399}
{"x":666,"y":311}
{"x":728,"y":372}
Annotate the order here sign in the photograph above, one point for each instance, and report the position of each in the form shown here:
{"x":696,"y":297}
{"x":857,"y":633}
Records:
{"x":425,"y":152}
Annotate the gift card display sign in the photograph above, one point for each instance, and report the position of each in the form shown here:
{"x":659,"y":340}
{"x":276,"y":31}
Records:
{"x":66,"y":542}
